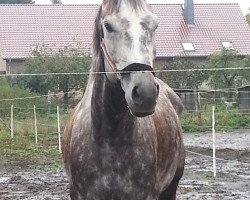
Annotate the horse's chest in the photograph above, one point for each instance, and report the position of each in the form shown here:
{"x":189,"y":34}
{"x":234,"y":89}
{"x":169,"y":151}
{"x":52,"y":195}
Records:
{"x":126,"y":169}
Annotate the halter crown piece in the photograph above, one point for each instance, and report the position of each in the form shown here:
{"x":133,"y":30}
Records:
{"x":106,"y":53}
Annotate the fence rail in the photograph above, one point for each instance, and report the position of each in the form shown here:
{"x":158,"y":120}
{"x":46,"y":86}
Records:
{"x":120,"y":72}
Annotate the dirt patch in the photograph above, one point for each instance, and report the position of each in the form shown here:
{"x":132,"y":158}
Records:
{"x":34,"y":184}
{"x":232,"y":179}
{"x":20,"y":179}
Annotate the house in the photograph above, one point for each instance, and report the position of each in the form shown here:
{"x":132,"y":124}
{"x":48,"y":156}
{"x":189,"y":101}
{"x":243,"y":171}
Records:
{"x":193,"y":31}
{"x":2,"y":64}
{"x":243,"y":98}
{"x":190,"y":98}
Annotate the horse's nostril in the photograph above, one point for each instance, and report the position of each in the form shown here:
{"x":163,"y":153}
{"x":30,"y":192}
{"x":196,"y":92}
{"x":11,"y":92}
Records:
{"x":158,"y":89}
{"x":135,"y":95}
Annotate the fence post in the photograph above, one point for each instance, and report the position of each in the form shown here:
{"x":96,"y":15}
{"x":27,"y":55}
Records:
{"x":213,"y":130}
{"x":36,"y":134}
{"x":59,"y":130}
{"x":49,"y":111}
{"x":11,"y":122}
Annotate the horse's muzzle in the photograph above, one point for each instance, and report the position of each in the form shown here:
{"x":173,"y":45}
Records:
{"x":141,"y":91}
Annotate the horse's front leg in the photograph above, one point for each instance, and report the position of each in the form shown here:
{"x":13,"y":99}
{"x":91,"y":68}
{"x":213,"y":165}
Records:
{"x":170,"y":192}
{"x":74,"y":194}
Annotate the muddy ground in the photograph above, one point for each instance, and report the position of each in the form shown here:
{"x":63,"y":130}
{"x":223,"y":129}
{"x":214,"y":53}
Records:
{"x":19,"y":180}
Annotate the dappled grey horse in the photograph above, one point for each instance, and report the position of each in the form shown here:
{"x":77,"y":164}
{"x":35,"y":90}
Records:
{"x":123,"y":141}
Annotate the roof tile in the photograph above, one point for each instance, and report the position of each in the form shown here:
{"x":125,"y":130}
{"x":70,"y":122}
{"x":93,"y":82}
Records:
{"x":22,"y":26}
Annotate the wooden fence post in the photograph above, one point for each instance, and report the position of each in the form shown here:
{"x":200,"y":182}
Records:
{"x":213,"y":130}
{"x":36,"y":134}
{"x":12,"y":122}
{"x":59,"y":130}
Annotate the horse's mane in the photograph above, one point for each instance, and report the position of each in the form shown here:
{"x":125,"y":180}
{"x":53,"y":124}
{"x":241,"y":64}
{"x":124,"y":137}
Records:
{"x":111,"y":7}
{"x":97,"y":58}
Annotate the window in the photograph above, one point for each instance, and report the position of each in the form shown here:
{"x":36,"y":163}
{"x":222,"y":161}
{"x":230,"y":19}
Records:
{"x":227,"y":45}
{"x":188,"y":46}
{"x":35,"y":48}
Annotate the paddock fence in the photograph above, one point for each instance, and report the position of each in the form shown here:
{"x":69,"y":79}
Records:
{"x":44,"y":125}
{"x":205,"y":111}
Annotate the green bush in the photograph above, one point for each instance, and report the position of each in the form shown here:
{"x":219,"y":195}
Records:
{"x":8,"y":92}
{"x":199,"y":121}
{"x":67,"y":60}
{"x":232,"y":119}
{"x":225,"y":120}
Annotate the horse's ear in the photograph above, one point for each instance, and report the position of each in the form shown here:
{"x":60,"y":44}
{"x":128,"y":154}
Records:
{"x":104,"y":2}
{"x":104,"y":5}
{"x":109,"y":6}
{"x":98,"y":33}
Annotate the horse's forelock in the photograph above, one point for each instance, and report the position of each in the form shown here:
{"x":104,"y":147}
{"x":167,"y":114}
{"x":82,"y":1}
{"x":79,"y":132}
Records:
{"x":114,"y":5}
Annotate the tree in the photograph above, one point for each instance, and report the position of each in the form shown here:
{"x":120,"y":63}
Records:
{"x":56,"y":1}
{"x":183,"y":79}
{"x":17,"y":1}
{"x":68,"y":60}
{"x":228,"y":79}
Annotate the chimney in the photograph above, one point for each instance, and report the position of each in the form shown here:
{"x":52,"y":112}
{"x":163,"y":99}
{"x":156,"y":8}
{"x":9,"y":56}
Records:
{"x":189,"y":12}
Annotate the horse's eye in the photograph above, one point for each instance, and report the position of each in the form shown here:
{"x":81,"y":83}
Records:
{"x":144,"y":26}
{"x":149,"y":27}
{"x":108,"y":27}
{"x":156,"y":26}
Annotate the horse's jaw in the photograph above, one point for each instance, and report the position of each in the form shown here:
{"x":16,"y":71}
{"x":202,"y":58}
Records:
{"x":139,"y":114}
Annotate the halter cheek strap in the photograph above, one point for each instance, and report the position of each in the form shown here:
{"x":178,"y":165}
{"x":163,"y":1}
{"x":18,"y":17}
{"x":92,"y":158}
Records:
{"x":106,"y":53}
{"x":132,"y":67}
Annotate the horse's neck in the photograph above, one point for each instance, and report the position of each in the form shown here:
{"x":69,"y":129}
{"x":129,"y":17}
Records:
{"x":108,"y":104}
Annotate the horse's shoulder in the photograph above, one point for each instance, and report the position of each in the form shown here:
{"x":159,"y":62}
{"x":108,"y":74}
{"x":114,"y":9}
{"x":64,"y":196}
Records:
{"x":82,"y":111}
{"x":168,"y":94}
{"x":79,"y":116}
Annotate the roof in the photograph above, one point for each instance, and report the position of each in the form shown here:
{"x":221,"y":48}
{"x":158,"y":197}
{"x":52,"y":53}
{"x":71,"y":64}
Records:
{"x":56,"y":26}
{"x":246,"y":87}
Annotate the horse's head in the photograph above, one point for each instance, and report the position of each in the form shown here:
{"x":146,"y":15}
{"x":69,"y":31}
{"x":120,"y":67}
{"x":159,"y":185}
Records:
{"x":128,"y":29}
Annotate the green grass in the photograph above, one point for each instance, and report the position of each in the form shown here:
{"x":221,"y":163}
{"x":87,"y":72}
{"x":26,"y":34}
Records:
{"x":196,"y":121}
{"x":225,"y":120}
{"x":23,"y":148}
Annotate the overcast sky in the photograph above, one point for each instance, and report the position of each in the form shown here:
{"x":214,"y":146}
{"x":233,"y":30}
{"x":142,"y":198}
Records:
{"x":244,"y":4}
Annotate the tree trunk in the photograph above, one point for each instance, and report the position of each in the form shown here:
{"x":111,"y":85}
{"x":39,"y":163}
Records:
{"x":66,"y":93}
{"x":66,"y":99}
{"x":230,"y":83}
